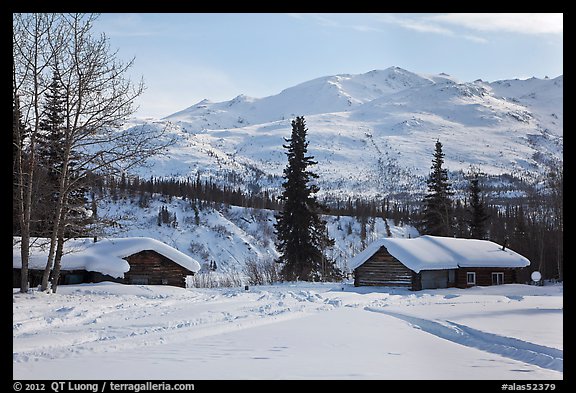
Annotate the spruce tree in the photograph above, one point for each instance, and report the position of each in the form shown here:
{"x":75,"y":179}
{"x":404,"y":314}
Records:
{"x":51,"y":137}
{"x":301,"y":232}
{"x":438,"y":215}
{"x":477,"y":211}
{"x":50,"y":142}
{"x":52,"y":156}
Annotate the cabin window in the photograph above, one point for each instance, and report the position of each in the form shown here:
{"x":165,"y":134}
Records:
{"x":73,"y":279}
{"x":451,"y":277}
{"x":471,"y":278}
{"x":164,"y":281}
{"x":139,"y":280}
{"x":497,"y":278}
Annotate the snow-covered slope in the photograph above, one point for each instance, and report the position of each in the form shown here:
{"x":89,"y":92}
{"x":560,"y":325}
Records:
{"x":372,"y":133}
{"x":232,"y":236}
{"x":542,"y":97}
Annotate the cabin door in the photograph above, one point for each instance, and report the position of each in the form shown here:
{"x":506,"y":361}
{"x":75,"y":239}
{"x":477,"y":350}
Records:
{"x":432,"y":279}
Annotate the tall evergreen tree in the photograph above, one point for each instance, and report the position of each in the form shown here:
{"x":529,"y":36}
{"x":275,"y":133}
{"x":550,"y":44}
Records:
{"x":301,"y":232}
{"x":555,"y":182}
{"x":477,"y":211}
{"x":51,"y":138}
{"x":50,"y":143}
{"x":438,"y":215}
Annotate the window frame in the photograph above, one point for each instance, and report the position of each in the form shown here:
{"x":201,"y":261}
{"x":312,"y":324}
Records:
{"x":468,"y":282}
{"x":498,"y":274}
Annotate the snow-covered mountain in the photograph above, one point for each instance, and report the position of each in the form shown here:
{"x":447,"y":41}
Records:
{"x":328,"y":94}
{"x":373,"y":133}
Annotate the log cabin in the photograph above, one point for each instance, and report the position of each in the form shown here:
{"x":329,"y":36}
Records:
{"x":430,"y":262}
{"x":135,"y":260}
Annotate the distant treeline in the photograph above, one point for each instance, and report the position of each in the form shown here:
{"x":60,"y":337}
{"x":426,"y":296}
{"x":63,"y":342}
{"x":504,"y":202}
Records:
{"x":532,"y":225}
{"x":200,"y":191}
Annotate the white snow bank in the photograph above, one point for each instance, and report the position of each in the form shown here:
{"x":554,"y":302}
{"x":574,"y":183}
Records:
{"x":105,"y":256}
{"x":435,"y":252}
{"x":108,"y":288}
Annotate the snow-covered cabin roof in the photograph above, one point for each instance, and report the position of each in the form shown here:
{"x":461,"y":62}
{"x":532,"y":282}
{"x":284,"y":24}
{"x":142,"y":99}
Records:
{"x":105,"y":256}
{"x":435,"y":252}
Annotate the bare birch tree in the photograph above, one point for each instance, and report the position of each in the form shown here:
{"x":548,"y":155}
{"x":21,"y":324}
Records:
{"x":31,"y":57}
{"x":99,"y":97}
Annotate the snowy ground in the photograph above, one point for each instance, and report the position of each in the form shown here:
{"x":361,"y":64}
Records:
{"x":288,"y":331}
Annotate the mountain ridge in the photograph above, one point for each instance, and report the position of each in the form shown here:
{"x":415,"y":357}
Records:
{"x":372,"y":133}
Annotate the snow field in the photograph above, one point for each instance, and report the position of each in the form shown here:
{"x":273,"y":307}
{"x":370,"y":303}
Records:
{"x":288,"y":331}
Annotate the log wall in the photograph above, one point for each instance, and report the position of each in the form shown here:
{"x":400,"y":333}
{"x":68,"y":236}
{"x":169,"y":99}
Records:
{"x":145,"y":267}
{"x":155,"y":269}
{"x":383,"y":269}
{"x":484,"y":275}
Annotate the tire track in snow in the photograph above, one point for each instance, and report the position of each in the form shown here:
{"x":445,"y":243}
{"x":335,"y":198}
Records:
{"x":513,"y":348}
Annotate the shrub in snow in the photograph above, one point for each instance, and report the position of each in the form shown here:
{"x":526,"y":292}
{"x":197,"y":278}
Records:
{"x":213,"y":279}
{"x":221,"y":230}
{"x":199,"y":250}
{"x":261,"y":272}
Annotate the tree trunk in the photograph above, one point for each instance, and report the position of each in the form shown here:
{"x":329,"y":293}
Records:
{"x":25,"y":199}
{"x":57,"y":263}
{"x":560,"y":256}
{"x":24,"y":206}
{"x":59,"y":219}
{"x":31,"y":47}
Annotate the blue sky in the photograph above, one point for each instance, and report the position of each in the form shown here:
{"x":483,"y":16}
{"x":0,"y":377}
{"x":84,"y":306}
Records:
{"x":185,"y":58}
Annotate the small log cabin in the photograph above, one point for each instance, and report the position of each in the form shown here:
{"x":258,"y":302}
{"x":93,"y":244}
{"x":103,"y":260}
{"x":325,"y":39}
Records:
{"x":430,"y":262}
{"x":136,"y":260}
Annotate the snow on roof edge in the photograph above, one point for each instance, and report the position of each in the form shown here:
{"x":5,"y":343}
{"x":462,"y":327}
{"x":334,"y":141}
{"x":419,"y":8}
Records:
{"x":136,"y":244}
{"x":106,"y":255}
{"x":436,"y":253}
{"x":365,"y":254}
